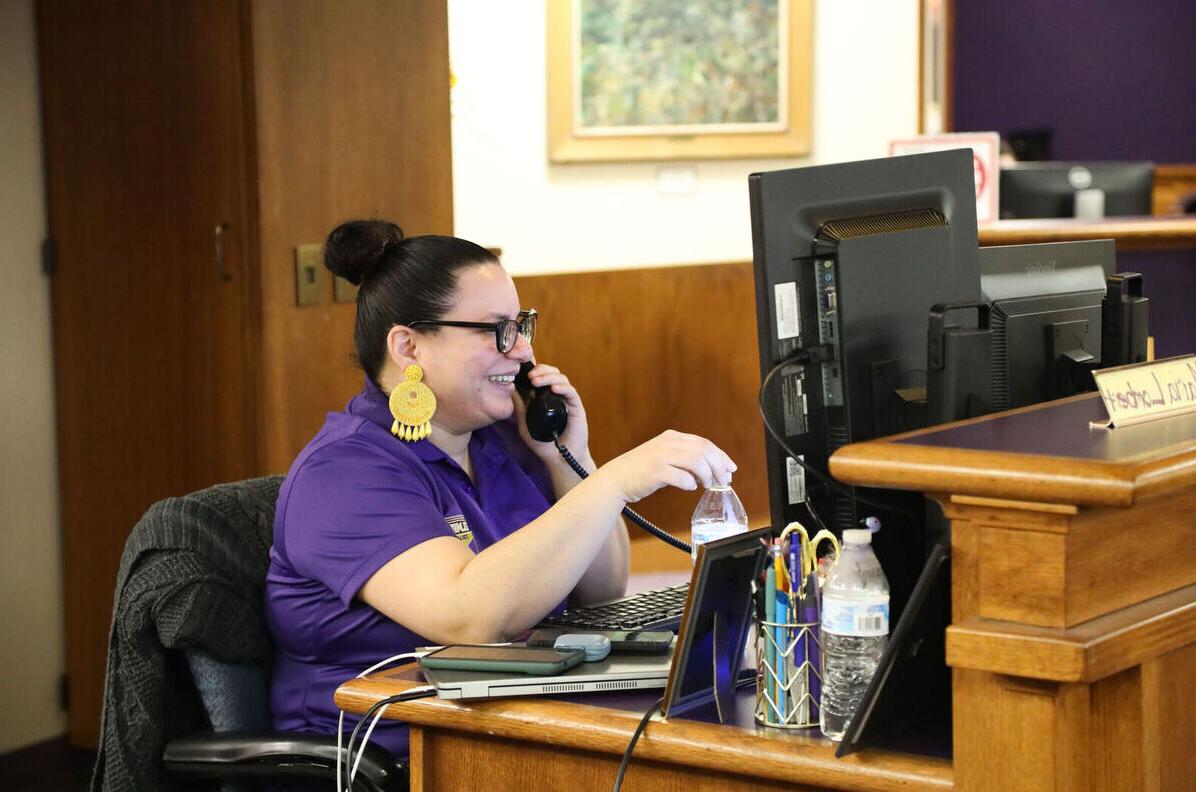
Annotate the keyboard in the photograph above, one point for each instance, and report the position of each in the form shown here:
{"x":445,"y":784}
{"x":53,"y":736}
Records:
{"x":659,"y":609}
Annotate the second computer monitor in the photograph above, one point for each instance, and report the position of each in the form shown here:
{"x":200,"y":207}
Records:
{"x":1046,"y":309}
{"x":1071,"y":189}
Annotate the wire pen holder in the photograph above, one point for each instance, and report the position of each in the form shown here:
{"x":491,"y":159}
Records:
{"x":788,"y":674}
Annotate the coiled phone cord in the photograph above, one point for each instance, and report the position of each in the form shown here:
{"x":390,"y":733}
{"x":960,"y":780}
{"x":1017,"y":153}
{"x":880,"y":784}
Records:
{"x":663,"y":536}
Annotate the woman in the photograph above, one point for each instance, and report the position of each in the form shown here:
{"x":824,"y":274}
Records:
{"x":402,"y":524}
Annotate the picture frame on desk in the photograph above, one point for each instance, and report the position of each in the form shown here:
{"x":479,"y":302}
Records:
{"x":686,"y":88}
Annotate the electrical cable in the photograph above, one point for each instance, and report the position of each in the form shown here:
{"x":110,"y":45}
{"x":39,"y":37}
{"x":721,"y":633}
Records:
{"x":634,"y":739}
{"x":378,"y":708}
{"x":662,"y":535}
{"x":814,"y":514}
{"x":816,"y":354}
{"x":340,"y":721}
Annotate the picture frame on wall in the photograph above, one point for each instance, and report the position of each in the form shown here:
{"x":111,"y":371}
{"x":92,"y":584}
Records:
{"x":678,"y":79}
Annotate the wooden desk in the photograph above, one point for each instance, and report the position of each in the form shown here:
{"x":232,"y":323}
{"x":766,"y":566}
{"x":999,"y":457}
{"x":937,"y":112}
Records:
{"x":1131,"y":233}
{"x":1072,"y":643}
{"x":540,"y":743}
{"x":1073,"y":636}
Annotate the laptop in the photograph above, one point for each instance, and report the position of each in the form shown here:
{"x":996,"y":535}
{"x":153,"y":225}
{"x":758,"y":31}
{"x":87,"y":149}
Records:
{"x":617,"y":672}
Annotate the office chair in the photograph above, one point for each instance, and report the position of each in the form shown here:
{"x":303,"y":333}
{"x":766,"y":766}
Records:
{"x":186,"y":696}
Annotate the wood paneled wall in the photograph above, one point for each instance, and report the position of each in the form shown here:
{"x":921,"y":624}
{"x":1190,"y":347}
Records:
{"x":349,"y":125}
{"x":1174,"y":185}
{"x":655,"y":349}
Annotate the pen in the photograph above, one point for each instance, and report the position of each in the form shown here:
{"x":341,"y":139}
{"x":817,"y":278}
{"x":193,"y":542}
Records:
{"x":784,"y":653}
{"x":813,"y":654}
{"x":770,"y":652}
{"x":797,"y":586}
{"x":796,"y":583}
{"x":779,"y":565}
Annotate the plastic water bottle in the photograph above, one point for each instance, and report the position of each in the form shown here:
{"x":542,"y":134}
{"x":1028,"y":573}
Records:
{"x":719,"y":514}
{"x":855,"y":629}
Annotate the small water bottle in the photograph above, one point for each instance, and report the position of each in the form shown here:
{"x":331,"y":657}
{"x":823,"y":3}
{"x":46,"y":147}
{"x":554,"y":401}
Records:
{"x":719,"y":514}
{"x":855,"y":629}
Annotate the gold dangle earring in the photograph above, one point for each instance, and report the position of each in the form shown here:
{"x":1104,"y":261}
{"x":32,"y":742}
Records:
{"x":412,"y":404}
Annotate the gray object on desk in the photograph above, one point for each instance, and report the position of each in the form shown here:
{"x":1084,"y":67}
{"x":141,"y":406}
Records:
{"x":615,"y":673}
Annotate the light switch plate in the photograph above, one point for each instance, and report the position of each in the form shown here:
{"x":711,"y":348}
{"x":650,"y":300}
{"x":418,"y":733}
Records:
{"x":311,"y":278}
{"x":343,"y":291}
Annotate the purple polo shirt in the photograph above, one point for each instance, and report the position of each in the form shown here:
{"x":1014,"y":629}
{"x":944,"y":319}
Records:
{"x":355,"y":498}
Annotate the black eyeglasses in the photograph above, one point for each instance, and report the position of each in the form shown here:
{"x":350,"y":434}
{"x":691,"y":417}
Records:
{"x":506,"y":332}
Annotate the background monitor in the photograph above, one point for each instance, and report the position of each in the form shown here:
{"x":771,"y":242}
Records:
{"x":1046,"y":303}
{"x":853,"y":256}
{"x":1048,"y":189}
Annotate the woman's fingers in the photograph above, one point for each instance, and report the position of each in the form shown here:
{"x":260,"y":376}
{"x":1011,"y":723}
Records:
{"x":702,"y":471}
{"x":672,"y":459}
{"x":545,"y":376}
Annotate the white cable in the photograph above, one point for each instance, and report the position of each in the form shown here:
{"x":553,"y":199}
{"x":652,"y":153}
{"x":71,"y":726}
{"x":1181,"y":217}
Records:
{"x":366,"y":739}
{"x":340,"y":721}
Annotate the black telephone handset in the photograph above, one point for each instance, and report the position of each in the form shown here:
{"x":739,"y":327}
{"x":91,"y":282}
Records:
{"x":546,"y":414}
{"x":546,"y":419}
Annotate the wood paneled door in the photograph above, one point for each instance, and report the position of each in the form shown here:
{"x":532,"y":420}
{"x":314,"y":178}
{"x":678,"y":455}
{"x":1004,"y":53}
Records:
{"x":191,"y":147}
{"x":147,"y":157}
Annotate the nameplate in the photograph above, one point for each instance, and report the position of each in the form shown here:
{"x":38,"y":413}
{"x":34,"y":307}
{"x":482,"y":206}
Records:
{"x":1147,"y":391}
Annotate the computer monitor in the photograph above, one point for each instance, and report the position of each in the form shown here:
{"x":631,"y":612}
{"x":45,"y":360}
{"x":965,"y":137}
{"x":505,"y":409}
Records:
{"x":850,"y":257}
{"x":1049,"y":189}
{"x":1046,"y":302}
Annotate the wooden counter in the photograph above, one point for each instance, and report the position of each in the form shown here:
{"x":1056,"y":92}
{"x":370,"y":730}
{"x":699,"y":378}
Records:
{"x":539,"y":743}
{"x":1073,"y":635}
{"x":1131,"y":233}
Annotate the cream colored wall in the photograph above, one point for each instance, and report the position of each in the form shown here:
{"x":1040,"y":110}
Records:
{"x":547,"y":218}
{"x":564,"y":217}
{"x":31,"y":632}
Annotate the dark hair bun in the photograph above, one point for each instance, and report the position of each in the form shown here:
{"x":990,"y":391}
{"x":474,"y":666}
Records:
{"x":355,"y":248}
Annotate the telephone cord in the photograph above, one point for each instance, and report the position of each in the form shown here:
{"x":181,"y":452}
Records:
{"x":662,"y":535}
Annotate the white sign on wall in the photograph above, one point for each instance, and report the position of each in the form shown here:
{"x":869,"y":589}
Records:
{"x":986,"y":150}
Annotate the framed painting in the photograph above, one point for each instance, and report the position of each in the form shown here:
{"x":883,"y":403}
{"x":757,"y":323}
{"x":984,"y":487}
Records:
{"x":678,"y":79}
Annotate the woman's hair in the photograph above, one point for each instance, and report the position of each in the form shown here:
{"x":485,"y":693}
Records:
{"x":401,"y":279}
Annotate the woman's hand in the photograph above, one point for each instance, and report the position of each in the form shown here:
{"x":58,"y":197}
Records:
{"x":576,"y":436}
{"x":671,"y":459}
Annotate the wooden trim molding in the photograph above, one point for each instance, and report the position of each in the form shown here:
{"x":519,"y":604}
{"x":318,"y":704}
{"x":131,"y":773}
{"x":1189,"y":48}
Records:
{"x":1088,"y":652}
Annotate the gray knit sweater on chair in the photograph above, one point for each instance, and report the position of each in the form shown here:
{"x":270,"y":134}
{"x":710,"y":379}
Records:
{"x":191,"y":579}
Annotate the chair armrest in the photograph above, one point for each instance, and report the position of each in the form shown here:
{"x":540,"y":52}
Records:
{"x":275,"y":754}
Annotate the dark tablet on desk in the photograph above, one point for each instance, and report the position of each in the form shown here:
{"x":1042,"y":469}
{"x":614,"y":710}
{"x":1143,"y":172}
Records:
{"x":714,"y":626}
{"x":907,"y":706}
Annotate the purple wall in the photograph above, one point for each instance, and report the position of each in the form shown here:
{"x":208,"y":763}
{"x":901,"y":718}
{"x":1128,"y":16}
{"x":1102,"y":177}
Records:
{"x":1115,"y":79}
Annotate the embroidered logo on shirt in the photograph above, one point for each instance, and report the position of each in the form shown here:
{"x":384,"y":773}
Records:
{"x":460,"y":528}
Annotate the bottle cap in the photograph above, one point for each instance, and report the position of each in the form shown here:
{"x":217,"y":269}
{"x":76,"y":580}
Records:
{"x":857,"y":536}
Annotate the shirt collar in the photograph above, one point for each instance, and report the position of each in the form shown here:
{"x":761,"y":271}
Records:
{"x":373,"y":405}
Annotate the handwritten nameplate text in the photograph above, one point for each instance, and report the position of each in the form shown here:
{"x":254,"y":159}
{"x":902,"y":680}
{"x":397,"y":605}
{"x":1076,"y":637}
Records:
{"x":1146,"y":391}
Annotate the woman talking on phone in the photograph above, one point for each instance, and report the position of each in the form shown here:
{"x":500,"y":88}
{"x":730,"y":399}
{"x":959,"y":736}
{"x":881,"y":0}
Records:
{"x":424,"y":513}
